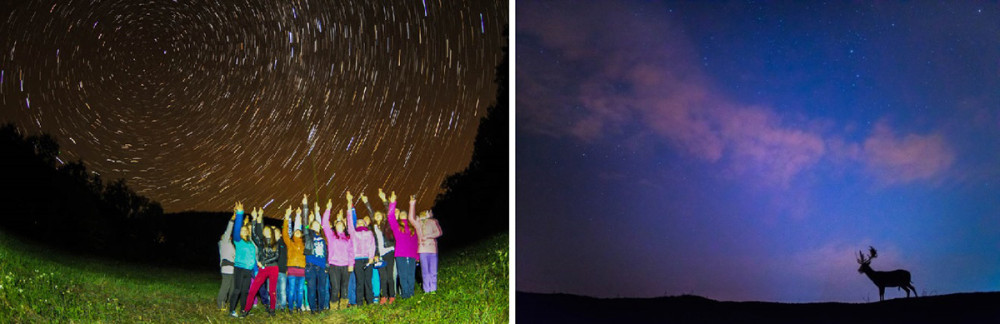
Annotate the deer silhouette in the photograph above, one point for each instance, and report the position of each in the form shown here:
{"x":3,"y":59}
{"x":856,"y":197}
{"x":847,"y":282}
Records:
{"x":896,"y":278}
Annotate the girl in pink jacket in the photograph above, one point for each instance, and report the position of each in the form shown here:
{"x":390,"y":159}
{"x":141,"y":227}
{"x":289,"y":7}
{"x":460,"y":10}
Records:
{"x":428,"y":231}
{"x":341,"y":253}
{"x":364,"y":254}
{"x":406,"y":245}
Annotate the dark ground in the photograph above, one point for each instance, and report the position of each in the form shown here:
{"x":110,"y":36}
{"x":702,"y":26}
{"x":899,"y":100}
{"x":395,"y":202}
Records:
{"x":562,"y":308}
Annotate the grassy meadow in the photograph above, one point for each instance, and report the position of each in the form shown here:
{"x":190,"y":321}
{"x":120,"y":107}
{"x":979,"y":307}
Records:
{"x":39,"y":285}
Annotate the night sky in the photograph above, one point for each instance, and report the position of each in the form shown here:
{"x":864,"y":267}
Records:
{"x":747,"y":151}
{"x":199,"y":103}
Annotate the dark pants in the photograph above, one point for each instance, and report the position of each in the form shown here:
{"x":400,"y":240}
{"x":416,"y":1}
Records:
{"x":241,"y":287}
{"x":407,"y":272}
{"x":386,"y":283}
{"x":318,"y":287}
{"x":364,"y":281}
{"x":338,"y":282}
{"x":225,"y":290}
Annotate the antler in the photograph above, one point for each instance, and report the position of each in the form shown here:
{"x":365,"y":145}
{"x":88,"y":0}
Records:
{"x":861,"y":258}
{"x":872,"y":253}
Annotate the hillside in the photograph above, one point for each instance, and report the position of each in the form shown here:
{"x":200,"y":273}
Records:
{"x":954,"y":308}
{"x":39,"y":285}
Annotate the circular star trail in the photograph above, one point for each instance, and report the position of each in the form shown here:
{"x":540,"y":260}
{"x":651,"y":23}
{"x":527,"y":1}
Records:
{"x":200,"y":103}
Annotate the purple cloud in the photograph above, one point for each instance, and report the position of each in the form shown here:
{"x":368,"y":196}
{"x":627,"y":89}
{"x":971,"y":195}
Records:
{"x":901,"y":159}
{"x":649,"y":83}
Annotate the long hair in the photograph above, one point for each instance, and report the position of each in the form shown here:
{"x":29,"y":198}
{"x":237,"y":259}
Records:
{"x":383,"y":227}
{"x":347,"y":234}
{"x":273,"y":241}
{"x":409,"y":225}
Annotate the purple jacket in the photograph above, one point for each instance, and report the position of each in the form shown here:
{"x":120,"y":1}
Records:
{"x":362,"y":239}
{"x":406,"y":239}
{"x":341,"y":250}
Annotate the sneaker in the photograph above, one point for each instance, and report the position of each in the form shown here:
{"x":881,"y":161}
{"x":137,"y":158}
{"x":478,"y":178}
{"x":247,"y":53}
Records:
{"x":381,"y":301}
{"x":233,"y":314}
{"x":392,"y":299}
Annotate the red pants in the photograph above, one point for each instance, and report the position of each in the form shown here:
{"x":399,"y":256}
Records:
{"x":271,"y":275}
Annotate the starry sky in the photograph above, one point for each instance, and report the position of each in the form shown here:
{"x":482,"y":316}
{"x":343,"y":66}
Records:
{"x":199,"y":103}
{"x":747,"y":151}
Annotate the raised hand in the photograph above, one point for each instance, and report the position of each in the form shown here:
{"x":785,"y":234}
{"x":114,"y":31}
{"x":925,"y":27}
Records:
{"x":393,"y":196}
{"x":413,"y":198}
{"x":364,"y":198}
{"x":298,"y":212}
{"x":350,"y":197}
{"x":288,"y":212}
{"x":253,"y":214}
{"x":381,"y":194}
{"x":329,"y":204}
{"x":305,"y":199}
{"x":340,"y":215}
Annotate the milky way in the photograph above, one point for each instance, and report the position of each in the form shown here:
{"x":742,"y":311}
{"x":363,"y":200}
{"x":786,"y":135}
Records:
{"x":199,"y":103}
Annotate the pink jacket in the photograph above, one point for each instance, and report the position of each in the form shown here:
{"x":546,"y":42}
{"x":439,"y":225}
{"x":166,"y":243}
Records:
{"x":341,"y":250}
{"x":362,"y":238}
{"x":428,"y":230}
{"x":406,"y":240}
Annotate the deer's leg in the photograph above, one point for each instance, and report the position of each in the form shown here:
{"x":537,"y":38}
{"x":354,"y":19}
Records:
{"x":881,"y":293}
{"x":914,"y":291}
{"x":907,"y":289}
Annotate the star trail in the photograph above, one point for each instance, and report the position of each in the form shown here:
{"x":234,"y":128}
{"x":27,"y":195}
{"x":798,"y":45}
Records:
{"x":200,"y":103}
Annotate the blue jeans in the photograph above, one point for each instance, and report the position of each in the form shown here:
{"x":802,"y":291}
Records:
{"x":407,"y":268}
{"x":352,"y":296}
{"x":319,"y":287}
{"x":282,"y":284}
{"x":295,"y":292}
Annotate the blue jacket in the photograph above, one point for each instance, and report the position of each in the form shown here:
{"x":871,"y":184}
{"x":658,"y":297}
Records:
{"x":246,"y":252}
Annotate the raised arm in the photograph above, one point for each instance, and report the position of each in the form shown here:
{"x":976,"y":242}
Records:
{"x":381,"y":196}
{"x":351,"y":214}
{"x":258,"y":230}
{"x":288,"y":216}
{"x":229,"y":228}
{"x":298,"y":220}
{"x":413,"y":209}
{"x":284,"y":228}
{"x":238,"y":220}
{"x":371,"y":212}
{"x":392,"y":217}
{"x":410,"y":217}
{"x":326,"y":221}
{"x":305,"y":211}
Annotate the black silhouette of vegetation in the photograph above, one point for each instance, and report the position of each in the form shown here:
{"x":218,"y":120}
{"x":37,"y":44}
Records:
{"x":63,"y":205}
{"x":475,"y":201}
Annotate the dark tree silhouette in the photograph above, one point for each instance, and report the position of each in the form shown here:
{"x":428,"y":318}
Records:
{"x":475,"y":201}
{"x":67,"y":207}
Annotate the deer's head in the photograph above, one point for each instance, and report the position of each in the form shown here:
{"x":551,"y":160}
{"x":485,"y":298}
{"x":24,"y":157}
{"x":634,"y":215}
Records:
{"x":866,"y":262}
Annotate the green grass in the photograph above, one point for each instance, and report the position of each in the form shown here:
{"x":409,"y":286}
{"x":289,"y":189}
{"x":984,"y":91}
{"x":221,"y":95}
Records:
{"x":38,"y":285}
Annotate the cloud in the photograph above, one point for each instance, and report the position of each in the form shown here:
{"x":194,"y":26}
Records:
{"x":908,"y":158}
{"x":606,"y":84}
{"x":610,"y":71}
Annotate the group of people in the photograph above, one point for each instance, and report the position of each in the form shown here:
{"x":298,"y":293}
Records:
{"x":312,"y":265}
